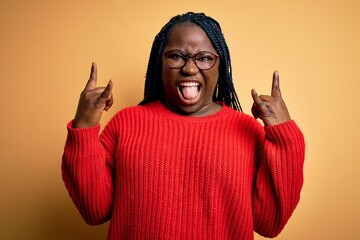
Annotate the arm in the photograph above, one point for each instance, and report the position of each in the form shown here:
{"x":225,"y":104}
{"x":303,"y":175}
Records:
{"x":87,"y":171}
{"x":279,"y":156}
{"x":279,"y":177}
{"x":87,"y":165}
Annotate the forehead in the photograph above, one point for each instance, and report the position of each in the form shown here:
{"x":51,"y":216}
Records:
{"x":188,"y":36}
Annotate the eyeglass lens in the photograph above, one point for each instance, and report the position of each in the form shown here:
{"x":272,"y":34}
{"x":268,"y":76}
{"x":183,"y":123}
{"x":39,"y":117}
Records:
{"x":203,"y":60}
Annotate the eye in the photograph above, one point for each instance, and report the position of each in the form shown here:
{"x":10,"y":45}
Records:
{"x":176,"y":56}
{"x":205,"y":57}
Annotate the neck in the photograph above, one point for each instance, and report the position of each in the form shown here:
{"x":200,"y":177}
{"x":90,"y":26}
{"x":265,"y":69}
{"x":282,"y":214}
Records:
{"x":207,"y":110}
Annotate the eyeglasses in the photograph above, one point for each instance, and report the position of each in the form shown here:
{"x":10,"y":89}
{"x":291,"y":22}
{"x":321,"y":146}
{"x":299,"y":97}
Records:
{"x":203,"y":60}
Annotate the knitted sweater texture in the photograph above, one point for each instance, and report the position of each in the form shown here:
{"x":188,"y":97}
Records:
{"x":158,"y":175}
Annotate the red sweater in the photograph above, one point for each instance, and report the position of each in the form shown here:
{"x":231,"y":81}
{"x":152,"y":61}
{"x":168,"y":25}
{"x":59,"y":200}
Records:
{"x":158,"y":175}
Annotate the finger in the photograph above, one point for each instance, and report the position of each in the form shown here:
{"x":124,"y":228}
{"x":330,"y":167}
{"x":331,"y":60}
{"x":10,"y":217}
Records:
{"x":91,"y":84}
{"x":257,"y":101}
{"x":255,"y":111}
{"x":105,"y":95}
{"x":256,"y":98}
{"x":109,"y":103}
{"x":266,"y":98}
{"x":275,"y":88}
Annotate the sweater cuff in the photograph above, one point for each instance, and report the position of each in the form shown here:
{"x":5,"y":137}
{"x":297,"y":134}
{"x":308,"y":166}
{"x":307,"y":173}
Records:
{"x":286,"y":134}
{"x":82,"y":141}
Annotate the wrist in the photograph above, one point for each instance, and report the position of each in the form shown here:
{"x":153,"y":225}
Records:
{"x":83,"y":124}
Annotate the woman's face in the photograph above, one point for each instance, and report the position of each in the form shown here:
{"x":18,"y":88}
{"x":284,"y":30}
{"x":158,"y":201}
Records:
{"x":189,"y":90}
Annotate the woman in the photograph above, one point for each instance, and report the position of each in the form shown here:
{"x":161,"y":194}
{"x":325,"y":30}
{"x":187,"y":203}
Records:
{"x":186,"y":163}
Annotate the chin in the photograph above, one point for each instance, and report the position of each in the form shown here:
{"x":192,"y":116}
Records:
{"x":196,"y":109}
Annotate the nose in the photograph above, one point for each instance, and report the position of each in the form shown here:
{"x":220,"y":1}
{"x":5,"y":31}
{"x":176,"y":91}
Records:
{"x":190,"y":67}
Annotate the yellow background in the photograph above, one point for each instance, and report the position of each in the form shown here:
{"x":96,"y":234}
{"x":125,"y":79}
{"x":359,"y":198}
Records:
{"x":46,"y":49}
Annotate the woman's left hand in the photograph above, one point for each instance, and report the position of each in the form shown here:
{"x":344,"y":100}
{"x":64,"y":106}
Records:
{"x":270,"y":109}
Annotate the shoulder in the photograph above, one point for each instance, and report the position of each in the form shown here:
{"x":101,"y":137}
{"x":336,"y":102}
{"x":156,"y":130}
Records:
{"x":138,"y":109}
{"x":242,"y":123}
{"x":128,"y":117}
{"x":241,"y":116}
{"x":134,"y":113}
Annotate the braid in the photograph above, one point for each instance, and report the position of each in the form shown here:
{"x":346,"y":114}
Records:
{"x":224,"y":91}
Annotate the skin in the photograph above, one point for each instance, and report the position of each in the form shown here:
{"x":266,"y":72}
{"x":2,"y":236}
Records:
{"x":191,"y":39}
{"x":93,"y":101}
{"x":271,"y":109}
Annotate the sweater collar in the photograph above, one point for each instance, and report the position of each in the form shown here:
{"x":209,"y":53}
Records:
{"x":158,"y":107}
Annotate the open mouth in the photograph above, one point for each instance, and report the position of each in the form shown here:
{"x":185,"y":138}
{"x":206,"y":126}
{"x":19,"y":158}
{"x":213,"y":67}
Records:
{"x":189,"y":91}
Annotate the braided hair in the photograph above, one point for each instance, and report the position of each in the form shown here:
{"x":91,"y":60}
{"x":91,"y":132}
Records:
{"x":224,"y":90}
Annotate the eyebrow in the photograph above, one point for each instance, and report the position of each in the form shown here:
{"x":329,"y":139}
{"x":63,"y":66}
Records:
{"x":193,"y":54}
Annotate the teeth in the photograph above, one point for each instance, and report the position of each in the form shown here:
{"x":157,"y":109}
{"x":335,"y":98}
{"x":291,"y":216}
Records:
{"x":189,"y":84}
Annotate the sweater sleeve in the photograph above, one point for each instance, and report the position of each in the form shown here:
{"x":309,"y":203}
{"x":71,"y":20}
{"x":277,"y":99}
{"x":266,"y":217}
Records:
{"x":87,"y":171}
{"x":279,"y":153}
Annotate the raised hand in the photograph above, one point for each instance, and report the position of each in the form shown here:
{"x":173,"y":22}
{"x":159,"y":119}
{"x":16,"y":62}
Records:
{"x":270,"y":109}
{"x":93,"y":101}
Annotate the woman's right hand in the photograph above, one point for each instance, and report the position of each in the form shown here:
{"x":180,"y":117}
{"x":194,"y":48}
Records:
{"x":93,"y":101}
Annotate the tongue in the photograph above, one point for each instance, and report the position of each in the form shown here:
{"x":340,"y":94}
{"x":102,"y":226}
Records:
{"x":190,"y":92}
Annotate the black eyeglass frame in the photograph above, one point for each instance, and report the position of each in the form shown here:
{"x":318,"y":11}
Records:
{"x":187,"y":56}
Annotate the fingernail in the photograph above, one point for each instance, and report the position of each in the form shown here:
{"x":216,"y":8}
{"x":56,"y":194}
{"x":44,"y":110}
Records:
{"x":254,"y":91}
{"x":276,"y":74}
